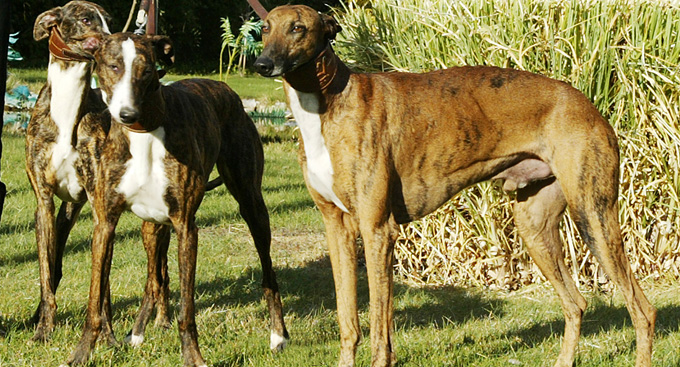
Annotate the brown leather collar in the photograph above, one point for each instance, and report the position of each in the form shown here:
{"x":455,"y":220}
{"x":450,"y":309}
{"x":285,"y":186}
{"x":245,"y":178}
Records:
{"x":60,"y":50}
{"x":325,"y":73}
{"x":139,"y":128}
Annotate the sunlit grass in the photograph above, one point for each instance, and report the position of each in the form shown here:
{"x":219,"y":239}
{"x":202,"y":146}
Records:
{"x":249,"y":86}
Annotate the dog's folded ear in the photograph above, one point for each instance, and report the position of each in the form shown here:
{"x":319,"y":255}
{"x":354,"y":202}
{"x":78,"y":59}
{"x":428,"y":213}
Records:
{"x":331,"y":26}
{"x":44,"y":22}
{"x":162,"y":45}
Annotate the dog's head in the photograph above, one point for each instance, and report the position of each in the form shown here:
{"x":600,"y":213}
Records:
{"x":126,"y":66}
{"x":292,"y":36}
{"x":82,"y":25}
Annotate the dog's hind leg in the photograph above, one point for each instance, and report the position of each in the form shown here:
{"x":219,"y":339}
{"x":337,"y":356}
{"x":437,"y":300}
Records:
{"x":538,"y":211}
{"x":589,"y":177}
{"x":161,"y":279}
{"x":68,"y":213}
{"x":246,"y":190}
{"x":156,"y":238}
{"x":595,"y":211}
{"x":66,"y":218}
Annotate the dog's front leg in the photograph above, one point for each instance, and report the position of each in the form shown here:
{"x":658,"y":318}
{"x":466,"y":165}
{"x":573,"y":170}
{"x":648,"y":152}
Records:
{"x":187,"y":240}
{"x":379,"y":249}
{"x":102,"y":252}
{"x":341,"y":236}
{"x":54,"y":248}
{"x":156,"y":238}
{"x":46,"y":239}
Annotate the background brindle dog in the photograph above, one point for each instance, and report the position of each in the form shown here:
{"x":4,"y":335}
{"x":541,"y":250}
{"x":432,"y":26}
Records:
{"x":384,"y":149}
{"x":65,"y":103}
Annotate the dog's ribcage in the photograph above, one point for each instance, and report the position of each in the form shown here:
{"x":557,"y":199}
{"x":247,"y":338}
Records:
{"x":144,"y":182}
{"x":305,"y":107}
{"x":67,"y":89}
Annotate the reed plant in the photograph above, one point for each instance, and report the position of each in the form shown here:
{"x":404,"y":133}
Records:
{"x":623,"y":54}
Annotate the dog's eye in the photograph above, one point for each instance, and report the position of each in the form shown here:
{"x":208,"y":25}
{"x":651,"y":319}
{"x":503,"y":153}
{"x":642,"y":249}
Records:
{"x":86,"y":21}
{"x":299,"y":29}
{"x":114,"y":68}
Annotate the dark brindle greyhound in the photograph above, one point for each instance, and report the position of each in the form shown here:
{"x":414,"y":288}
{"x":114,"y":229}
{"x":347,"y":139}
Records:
{"x":384,"y":149}
{"x":65,"y":103}
{"x":163,"y":143}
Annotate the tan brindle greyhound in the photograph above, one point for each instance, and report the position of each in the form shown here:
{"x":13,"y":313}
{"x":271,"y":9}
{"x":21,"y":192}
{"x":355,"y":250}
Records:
{"x":384,"y":149}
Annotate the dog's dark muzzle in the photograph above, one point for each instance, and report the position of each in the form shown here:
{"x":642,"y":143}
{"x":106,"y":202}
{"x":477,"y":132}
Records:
{"x":264,"y":66}
{"x":128,"y":115}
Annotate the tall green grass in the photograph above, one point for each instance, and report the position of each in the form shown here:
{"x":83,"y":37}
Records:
{"x":624,"y":55}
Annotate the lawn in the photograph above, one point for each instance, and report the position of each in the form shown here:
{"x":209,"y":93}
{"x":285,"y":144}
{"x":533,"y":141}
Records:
{"x":248,"y":86}
{"x":443,"y":326}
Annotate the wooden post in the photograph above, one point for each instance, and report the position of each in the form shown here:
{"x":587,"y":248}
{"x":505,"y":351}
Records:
{"x":152,"y":23}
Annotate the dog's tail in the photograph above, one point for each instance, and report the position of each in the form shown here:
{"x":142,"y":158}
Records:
{"x":214,"y":183}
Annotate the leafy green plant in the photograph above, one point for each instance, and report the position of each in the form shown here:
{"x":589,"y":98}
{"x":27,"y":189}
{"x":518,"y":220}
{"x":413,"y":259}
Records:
{"x":239,"y":47}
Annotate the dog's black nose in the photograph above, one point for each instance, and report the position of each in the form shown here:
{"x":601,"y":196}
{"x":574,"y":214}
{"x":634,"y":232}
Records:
{"x":129,"y":115}
{"x":264,"y":66}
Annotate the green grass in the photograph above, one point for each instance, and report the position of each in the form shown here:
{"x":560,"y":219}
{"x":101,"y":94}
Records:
{"x":249,"y":86}
{"x":443,"y":326}
{"x":32,"y":77}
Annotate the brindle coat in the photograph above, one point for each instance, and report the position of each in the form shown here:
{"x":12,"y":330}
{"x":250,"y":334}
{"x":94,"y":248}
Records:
{"x":204,"y":125}
{"x":81,"y":26}
{"x":399,"y":145}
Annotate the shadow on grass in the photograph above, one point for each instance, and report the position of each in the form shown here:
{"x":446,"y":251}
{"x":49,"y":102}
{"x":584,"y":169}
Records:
{"x":308,"y":289}
{"x":599,"y":318}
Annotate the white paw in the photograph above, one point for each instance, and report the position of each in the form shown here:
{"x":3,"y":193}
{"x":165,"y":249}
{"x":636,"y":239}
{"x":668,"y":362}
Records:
{"x":134,"y":340}
{"x":277,"y":342}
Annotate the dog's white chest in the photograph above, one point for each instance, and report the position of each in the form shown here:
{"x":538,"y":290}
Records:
{"x":305,"y":107}
{"x":67,"y":88}
{"x":144,"y":182}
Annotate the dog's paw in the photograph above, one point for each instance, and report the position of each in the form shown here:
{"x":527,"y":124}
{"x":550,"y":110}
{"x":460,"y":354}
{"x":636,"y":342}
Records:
{"x":134,"y":340}
{"x":277,"y":342}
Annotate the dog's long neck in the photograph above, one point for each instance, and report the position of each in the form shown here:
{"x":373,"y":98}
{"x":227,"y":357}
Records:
{"x":309,"y":89}
{"x":325,"y":74}
{"x":69,"y":87}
